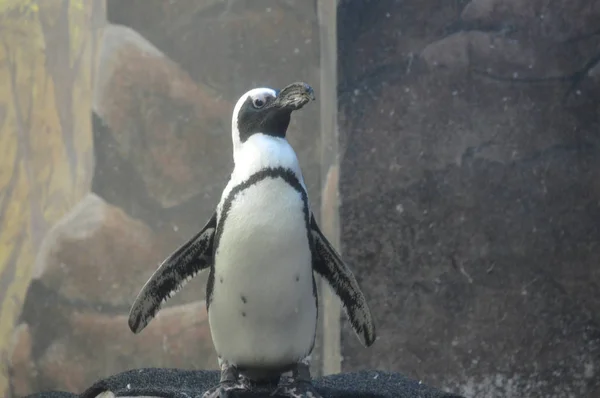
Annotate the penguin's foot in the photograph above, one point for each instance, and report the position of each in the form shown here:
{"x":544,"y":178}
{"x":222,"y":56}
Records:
{"x":226,"y":389}
{"x":297,"y":389}
{"x":230,"y":383}
{"x":300,"y":385}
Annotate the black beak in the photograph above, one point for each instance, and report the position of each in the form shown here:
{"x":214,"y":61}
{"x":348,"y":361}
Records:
{"x":294,"y":96}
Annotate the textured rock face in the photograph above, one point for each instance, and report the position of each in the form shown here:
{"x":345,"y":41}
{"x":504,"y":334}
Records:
{"x":469,"y":191}
{"x":97,"y":345}
{"x":96,"y":253}
{"x":165,"y":124}
{"x":232,"y":46}
{"x":91,"y":266}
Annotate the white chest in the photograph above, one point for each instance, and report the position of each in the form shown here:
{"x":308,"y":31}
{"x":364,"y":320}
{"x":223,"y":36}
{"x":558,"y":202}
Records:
{"x":263,"y":312}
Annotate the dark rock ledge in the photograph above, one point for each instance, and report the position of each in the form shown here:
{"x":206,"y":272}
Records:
{"x":178,"y":383}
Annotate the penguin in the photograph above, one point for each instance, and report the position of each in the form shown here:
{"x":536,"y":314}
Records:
{"x":262,"y":247}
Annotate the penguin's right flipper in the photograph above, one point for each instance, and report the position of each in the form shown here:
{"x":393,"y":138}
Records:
{"x":328,"y":264}
{"x":182,"y":265}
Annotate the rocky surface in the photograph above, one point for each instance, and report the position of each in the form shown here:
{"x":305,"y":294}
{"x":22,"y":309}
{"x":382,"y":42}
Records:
{"x":22,"y":366}
{"x":165,"y":124}
{"x":232,"y":46}
{"x":179,"y":383}
{"x":99,"y":344}
{"x":91,"y":266}
{"x":97,"y":254}
{"x":169,"y":76}
{"x":469,"y":191}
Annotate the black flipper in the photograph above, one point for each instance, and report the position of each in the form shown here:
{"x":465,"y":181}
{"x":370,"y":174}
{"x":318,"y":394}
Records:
{"x":327,"y":263}
{"x":182,"y":265}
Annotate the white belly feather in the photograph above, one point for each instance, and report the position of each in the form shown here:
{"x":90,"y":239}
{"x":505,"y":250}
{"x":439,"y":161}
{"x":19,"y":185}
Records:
{"x":263,"y":312}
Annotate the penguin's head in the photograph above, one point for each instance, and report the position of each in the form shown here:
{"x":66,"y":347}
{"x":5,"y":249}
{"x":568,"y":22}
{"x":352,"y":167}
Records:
{"x":268,"y":111}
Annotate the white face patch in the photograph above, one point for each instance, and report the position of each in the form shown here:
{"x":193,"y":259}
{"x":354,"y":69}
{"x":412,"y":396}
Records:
{"x":258,"y":96}
{"x":261,"y":98}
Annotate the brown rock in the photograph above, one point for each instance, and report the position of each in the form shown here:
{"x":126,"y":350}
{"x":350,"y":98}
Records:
{"x":179,"y":335}
{"x":101,"y":345}
{"x":96,"y":254}
{"x":233,"y":46}
{"x":65,"y":369}
{"x":330,"y":199}
{"x":23,"y":370}
{"x":269,"y":40}
{"x":163,"y":122}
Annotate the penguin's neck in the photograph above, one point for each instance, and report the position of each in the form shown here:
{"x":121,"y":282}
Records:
{"x":262,"y":151}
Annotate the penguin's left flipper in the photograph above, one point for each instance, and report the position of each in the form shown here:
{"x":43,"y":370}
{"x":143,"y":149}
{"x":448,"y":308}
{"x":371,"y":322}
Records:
{"x":182,"y":265}
{"x":327,"y":263}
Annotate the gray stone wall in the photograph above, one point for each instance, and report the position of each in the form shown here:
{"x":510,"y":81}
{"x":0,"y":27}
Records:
{"x":470,"y":200}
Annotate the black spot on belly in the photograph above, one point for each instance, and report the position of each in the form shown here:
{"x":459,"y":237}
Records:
{"x":244,"y":299}
{"x":221,"y":279}
{"x":297,"y":278}
{"x":243,"y":313}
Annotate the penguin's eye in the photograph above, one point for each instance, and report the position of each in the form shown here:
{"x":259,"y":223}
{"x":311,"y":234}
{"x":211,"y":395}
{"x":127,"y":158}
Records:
{"x":258,"y":103}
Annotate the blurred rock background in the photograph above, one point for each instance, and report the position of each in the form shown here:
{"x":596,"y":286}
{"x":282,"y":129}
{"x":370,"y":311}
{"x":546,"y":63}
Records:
{"x":468,"y":182}
{"x":158,"y":110}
